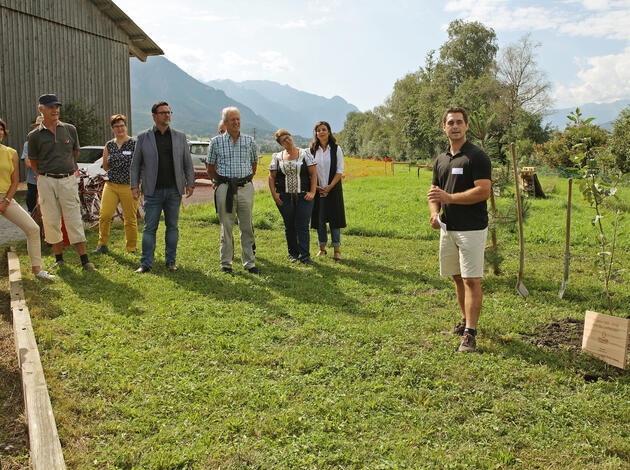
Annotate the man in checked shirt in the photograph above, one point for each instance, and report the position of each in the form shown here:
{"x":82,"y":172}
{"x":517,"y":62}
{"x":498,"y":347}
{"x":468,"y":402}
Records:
{"x":231,"y":163}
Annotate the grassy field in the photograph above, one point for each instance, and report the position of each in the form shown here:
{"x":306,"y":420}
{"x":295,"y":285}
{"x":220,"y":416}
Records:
{"x":335,"y":365}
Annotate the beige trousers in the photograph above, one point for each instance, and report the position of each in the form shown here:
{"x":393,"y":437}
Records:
{"x":242,"y":206}
{"x":16,"y":214}
{"x":57,"y":197}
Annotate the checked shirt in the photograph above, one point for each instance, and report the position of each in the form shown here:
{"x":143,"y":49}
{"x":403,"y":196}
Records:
{"x":232,"y":160}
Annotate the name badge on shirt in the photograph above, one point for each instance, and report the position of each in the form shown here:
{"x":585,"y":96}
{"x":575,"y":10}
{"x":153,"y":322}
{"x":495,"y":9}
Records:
{"x":458,"y":171}
{"x":127,"y":152}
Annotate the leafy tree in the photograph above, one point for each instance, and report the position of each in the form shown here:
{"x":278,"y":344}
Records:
{"x":469,"y":52}
{"x":562,"y":148}
{"x":409,"y":124}
{"x":525,"y":86}
{"x":597,"y":186}
{"x":619,"y":141}
{"x":84,"y":117}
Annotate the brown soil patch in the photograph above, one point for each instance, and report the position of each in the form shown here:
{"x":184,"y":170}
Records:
{"x":566,"y":335}
{"x":559,"y":335}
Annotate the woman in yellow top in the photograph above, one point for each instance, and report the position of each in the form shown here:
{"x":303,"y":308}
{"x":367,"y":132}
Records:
{"x":11,"y":210}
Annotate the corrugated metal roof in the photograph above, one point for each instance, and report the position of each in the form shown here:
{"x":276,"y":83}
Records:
{"x":140,"y":44}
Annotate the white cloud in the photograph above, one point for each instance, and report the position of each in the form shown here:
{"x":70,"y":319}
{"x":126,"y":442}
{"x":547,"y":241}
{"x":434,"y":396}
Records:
{"x":232,"y":59}
{"x":323,"y":6}
{"x":191,"y":60}
{"x":274,"y":61}
{"x":209,"y":18}
{"x":303,"y":24}
{"x":601,"y":79}
{"x":610,"y":24}
{"x":503,"y":15}
{"x":297,"y":24}
{"x":589,"y":18}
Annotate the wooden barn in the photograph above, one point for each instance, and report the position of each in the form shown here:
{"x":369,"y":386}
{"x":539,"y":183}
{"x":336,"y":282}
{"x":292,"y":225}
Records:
{"x":78,"y":49}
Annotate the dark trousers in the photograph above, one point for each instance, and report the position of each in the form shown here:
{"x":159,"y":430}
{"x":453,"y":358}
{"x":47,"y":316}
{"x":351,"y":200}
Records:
{"x":31,"y":196}
{"x":296,"y":213}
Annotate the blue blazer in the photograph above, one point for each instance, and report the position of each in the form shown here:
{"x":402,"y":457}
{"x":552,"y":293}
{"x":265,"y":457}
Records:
{"x":144,"y":164}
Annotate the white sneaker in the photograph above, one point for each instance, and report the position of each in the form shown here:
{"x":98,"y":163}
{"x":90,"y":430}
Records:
{"x":45,"y":275}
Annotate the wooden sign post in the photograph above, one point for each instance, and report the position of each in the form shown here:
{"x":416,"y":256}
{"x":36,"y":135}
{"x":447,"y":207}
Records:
{"x":606,"y":337}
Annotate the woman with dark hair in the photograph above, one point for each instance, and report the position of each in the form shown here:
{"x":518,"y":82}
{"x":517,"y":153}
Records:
{"x":117,"y":156}
{"x":329,"y":206}
{"x":292,"y":182}
{"x":12,"y":211}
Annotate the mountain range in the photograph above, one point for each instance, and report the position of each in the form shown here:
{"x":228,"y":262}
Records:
{"x":604,"y":114}
{"x":264,"y":105}
{"x":196,"y":107}
{"x":292,"y":109}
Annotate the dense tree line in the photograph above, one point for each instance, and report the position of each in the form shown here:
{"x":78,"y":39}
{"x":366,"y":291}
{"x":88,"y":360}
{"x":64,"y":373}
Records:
{"x":468,"y":71}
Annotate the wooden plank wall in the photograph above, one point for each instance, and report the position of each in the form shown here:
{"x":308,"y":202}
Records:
{"x":67,"y":47}
{"x":45,"y":447}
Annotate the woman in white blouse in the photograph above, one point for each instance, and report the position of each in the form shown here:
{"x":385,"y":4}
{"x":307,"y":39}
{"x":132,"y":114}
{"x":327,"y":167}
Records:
{"x":292,"y":182}
{"x":329,"y":207}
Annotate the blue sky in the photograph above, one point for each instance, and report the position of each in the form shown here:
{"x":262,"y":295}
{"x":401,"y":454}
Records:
{"x":358,"y":49}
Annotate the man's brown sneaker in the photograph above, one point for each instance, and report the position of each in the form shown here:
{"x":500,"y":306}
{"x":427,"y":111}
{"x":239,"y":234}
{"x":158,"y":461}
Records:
{"x":469,"y":343}
{"x":458,"y":329}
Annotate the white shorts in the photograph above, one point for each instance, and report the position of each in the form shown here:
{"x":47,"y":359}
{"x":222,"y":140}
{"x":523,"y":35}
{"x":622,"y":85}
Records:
{"x":461,"y":252}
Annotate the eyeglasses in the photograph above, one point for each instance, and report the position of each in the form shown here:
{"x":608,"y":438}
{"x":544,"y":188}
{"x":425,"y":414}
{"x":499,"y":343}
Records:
{"x":165,"y":112}
{"x":119,"y":126}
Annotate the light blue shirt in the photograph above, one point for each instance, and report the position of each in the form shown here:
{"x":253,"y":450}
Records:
{"x":30,"y":174}
{"x":232,"y":160}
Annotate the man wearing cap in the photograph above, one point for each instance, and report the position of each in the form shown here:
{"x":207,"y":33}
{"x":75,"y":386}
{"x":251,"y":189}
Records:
{"x":53,"y":149}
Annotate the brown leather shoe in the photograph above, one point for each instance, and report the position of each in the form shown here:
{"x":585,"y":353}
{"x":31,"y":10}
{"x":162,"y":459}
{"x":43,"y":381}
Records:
{"x":171,"y":267}
{"x":469,"y":344}
{"x":458,"y":329}
{"x":89,"y":267}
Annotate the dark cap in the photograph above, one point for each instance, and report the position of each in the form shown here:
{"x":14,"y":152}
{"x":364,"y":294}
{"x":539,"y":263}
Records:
{"x":49,"y":100}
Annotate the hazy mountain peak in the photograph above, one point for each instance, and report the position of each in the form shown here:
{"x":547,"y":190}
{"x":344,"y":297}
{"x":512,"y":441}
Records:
{"x":287,"y":107}
{"x":604,"y":113}
{"x":196,"y":106}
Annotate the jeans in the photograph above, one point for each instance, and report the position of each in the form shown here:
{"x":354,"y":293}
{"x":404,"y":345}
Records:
{"x":168,"y":200}
{"x":31,"y":196}
{"x":322,"y":233}
{"x":296,"y":213}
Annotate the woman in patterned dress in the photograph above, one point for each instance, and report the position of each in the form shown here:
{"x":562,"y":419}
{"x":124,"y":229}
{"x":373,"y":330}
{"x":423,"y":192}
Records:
{"x":117,"y":161}
{"x":292,"y":181}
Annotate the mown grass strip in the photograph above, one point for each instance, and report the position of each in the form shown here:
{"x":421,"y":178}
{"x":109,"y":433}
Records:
{"x":336,"y":365}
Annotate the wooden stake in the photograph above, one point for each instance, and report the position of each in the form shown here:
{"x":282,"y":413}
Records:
{"x":567,"y":255}
{"x":520,"y":287}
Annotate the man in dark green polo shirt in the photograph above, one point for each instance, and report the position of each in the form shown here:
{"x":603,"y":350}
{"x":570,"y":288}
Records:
{"x":53,"y":149}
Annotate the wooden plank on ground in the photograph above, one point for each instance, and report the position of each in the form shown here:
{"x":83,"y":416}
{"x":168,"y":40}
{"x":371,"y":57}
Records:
{"x":44,"y":442}
{"x":606,"y":337}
